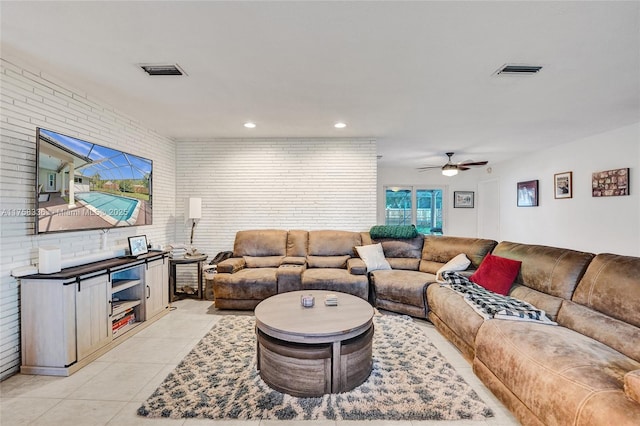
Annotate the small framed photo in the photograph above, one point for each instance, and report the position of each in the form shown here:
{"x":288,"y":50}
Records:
{"x":528,"y":193}
{"x":138,"y":245}
{"x":563,"y":185}
{"x":463,"y":199}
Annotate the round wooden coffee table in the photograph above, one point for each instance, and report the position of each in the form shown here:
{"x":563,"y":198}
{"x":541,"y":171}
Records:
{"x":313,"y":351}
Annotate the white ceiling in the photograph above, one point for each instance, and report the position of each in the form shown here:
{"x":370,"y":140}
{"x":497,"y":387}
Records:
{"x":417,"y":76}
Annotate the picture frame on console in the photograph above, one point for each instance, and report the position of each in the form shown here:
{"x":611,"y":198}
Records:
{"x":138,"y":245}
{"x":527,"y":194}
{"x":563,"y":185}
{"x":463,"y":199}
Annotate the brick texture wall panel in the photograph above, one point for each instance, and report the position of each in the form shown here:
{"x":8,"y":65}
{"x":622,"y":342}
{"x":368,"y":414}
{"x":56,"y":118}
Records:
{"x":283,"y":183}
{"x":33,"y":99}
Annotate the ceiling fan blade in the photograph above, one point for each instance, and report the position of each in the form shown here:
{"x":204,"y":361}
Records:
{"x":429,"y":167}
{"x":473,"y":163}
{"x":463,"y":167}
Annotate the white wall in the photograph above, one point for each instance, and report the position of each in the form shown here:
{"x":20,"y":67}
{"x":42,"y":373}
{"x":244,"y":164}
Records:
{"x":30,"y":99}
{"x":275,"y":183}
{"x":595,"y":224}
{"x":607,"y":224}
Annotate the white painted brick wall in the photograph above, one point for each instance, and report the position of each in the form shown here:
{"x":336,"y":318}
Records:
{"x":30,"y":99}
{"x":274,"y":183}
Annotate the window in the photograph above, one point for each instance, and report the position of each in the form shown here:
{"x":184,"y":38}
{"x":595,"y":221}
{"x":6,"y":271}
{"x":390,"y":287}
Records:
{"x":398,"y":207}
{"x":415,"y":206}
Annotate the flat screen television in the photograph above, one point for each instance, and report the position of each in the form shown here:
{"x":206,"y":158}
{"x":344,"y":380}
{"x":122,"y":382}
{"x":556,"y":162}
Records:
{"x":81,"y":185}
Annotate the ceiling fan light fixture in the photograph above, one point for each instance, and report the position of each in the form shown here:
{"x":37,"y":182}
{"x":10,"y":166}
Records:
{"x":449,"y":170}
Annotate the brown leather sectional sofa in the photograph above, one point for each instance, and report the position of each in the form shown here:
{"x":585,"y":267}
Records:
{"x":585,"y":371}
{"x":268,"y":262}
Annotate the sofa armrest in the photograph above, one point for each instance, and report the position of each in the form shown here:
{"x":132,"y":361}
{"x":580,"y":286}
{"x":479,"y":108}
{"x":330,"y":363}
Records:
{"x":289,"y":277}
{"x":632,"y":385}
{"x":294,"y":260}
{"x":356,"y":266}
{"x":231,"y":265}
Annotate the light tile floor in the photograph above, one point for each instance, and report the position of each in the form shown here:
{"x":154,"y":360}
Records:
{"x":109,"y":390}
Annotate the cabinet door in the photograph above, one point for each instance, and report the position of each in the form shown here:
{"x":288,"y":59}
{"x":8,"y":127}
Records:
{"x":48,"y":323}
{"x":157,"y":287}
{"x":93,"y":324}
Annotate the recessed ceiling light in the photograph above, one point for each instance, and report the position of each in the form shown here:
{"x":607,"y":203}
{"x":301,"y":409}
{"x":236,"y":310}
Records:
{"x":249,"y":125}
{"x":340,"y":125}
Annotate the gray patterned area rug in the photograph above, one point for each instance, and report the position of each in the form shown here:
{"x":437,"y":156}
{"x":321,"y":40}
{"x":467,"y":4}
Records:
{"x":410,"y":380}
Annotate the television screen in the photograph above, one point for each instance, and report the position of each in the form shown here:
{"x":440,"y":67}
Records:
{"x":82,"y":185}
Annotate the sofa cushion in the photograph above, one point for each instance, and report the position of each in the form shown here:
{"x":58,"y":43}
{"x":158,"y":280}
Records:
{"x":562,"y":376}
{"x":263,"y":261}
{"x":460,"y":318}
{"x":621,"y":336}
{"x":406,"y":287}
{"x":549,"y":304}
{"x":264,"y":242}
{"x":411,"y":248}
{"x":458,"y":263}
{"x":496,"y":273}
{"x":611,"y":285}
{"x":373,"y":256}
{"x":294,"y":260}
{"x":404,"y":263}
{"x":336,"y":280}
{"x":632,"y":385}
{"x":551,"y":270}
{"x":439,"y":249}
{"x":605,"y":303}
{"x":333,"y":243}
{"x":297,"y":242}
{"x":328,"y":261}
{"x":248,"y":283}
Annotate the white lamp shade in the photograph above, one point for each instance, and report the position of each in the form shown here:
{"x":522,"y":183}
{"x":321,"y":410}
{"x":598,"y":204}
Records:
{"x":449,"y":169}
{"x":194,"y":208}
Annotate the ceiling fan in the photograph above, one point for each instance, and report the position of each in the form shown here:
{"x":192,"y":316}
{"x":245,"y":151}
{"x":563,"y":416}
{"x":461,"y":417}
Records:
{"x":451,"y":169}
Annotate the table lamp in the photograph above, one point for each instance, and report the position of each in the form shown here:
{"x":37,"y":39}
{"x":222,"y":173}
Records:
{"x":194,"y":212}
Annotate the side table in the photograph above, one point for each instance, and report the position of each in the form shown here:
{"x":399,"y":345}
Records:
{"x":185,"y":277}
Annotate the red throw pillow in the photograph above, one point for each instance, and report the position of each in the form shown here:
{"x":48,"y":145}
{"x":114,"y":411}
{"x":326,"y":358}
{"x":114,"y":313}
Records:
{"x":496,"y":274}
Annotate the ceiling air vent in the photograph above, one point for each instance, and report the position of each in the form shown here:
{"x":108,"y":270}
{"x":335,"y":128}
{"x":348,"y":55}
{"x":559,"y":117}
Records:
{"x":162,"y":69}
{"x":518,"y":69}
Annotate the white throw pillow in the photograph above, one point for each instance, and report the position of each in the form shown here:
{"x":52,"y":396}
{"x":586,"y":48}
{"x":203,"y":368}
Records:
{"x":458,"y":263}
{"x":373,"y":257}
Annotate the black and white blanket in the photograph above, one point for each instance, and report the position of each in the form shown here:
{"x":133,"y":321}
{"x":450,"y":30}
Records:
{"x":492,"y":305}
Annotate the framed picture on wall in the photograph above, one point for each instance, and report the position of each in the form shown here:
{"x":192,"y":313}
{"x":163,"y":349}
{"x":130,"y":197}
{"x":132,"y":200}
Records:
{"x":610,"y":183}
{"x":528,"y":193}
{"x":563,"y":185}
{"x":463,"y":199}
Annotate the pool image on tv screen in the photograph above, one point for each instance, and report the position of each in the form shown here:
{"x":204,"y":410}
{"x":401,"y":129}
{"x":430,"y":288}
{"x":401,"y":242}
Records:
{"x":82,"y":185}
